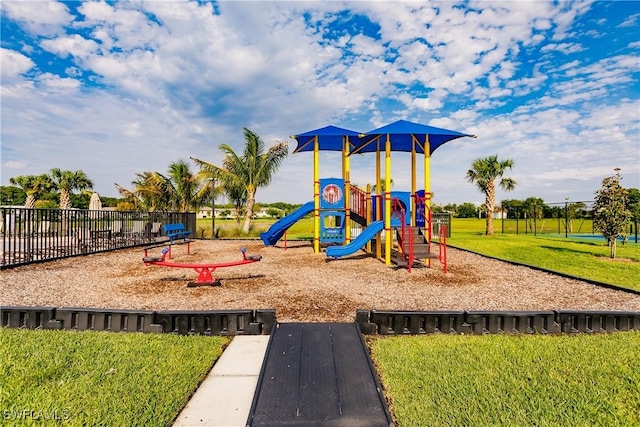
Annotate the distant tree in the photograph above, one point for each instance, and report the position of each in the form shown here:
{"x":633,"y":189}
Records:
{"x":52,"y":199}
{"x":124,"y":205}
{"x":383,"y":183}
{"x":549,"y":211}
{"x":467,"y":210}
{"x":483,"y":173}
{"x":284,"y":208}
{"x":81,"y":200}
{"x":68,"y":181}
{"x":574,"y":211}
{"x":34,"y":186}
{"x":274,"y":213}
{"x":452,"y":208}
{"x":252,"y":170}
{"x":110,"y":202}
{"x":513,"y":207}
{"x":610,"y":214}
{"x":436,"y":208}
{"x":46,"y":204}
{"x":237,"y":195}
{"x":12,"y":195}
{"x":532,"y":208}
{"x":633,"y":197}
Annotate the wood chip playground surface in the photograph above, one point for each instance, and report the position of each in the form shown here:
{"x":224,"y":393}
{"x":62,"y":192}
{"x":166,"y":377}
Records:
{"x":300,"y":285}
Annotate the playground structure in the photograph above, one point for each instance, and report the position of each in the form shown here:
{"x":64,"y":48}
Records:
{"x":337,"y":203}
{"x":204,"y":270}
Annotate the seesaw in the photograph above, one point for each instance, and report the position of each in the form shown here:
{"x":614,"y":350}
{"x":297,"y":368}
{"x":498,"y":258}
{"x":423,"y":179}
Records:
{"x":204,"y":270}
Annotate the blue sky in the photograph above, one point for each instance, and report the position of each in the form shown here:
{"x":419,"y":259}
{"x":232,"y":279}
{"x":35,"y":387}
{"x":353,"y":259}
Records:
{"x":117,"y":88}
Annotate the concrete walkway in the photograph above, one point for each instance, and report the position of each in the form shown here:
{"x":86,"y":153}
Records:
{"x":224,"y":398}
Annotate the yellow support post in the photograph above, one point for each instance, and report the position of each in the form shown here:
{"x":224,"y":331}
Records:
{"x":378,"y":203}
{"x":387,"y":203}
{"x":427,"y":173}
{"x":316,"y":196}
{"x":367,"y":210}
{"x":346,"y":164}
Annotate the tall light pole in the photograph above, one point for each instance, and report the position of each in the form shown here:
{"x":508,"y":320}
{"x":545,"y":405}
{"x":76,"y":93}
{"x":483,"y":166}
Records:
{"x":213,"y":208}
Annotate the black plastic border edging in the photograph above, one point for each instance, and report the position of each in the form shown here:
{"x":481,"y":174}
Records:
{"x":388,"y":322}
{"x":263,"y":321}
{"x":211,"y":322}
{"x":546,"y":270}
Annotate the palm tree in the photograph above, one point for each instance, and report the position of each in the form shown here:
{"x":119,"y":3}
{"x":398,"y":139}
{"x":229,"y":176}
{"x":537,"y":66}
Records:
{"x":254,"y":169}
{"x":483,"y":173}
{"x":187,"y":191}
{"x":178,"y":190}
{"x":383,"y":183}
{"x":148,"y":193}
{"x":67,"y":182}
{"x":237,"y":196}
{"x":33,"y":185}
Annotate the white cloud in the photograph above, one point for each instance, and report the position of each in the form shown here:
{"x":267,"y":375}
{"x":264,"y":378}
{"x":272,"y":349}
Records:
{"x":38,"y":17}
{"x":74,"y":45}
{"x":631,"y":21}
{"x":565,"y":48}
{"x":14,"y":64}
{"x":54,"y":84}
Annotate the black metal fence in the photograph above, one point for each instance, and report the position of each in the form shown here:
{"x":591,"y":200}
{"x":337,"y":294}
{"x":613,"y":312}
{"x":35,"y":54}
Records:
{"x":33,"y":235}
{"x":439,"y":219}
{"x":563,"y":218}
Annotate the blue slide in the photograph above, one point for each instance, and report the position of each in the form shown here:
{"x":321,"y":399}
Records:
{"x":275,"y":232}
{"x":366,"y":235}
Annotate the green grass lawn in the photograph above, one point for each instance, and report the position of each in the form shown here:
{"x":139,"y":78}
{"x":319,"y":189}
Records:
{"x":493,"y":380}
{"x":113,"y":379}
{"x":586,"y":259}
{"x":100,"y":378}
{"x":226,"y":228}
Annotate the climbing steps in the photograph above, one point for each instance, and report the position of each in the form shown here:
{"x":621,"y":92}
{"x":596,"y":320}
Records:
{"x":421,"y":247}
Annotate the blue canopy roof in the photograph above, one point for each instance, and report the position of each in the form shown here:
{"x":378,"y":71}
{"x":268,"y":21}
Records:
{"x":403,"y":136}
{"x":330,"y":138}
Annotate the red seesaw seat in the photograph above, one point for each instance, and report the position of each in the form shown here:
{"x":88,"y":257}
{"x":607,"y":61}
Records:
{"x":204,"y":270}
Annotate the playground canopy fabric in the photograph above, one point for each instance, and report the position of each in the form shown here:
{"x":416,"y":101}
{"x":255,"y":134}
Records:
{"x":330,"y":138}
{"x":403,"y":136}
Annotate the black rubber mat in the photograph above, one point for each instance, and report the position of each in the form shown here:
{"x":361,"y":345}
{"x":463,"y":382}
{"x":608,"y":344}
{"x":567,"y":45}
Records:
{"x":318,"y":374}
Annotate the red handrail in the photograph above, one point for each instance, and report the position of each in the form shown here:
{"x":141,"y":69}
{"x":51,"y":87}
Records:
{"x":410,"y":248}
{"x":358,"y":201}
{"x":400,"y":211}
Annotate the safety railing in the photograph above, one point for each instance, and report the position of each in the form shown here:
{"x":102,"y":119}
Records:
{"x":442,"y":247}
{"x":421,"y":206}
{"x":358,"y":201}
